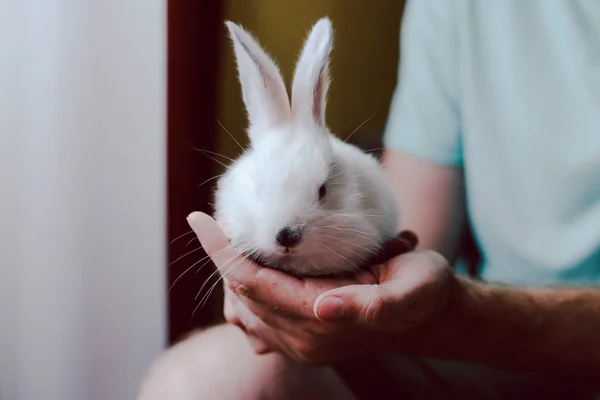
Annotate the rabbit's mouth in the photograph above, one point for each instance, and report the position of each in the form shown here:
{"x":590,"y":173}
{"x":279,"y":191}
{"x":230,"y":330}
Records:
{"x":258,"y":259}
{"x":287,"y":261}
{"x":277,"y":261}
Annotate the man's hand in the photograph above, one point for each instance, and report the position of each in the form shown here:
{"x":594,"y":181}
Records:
{"x":325,"y":320}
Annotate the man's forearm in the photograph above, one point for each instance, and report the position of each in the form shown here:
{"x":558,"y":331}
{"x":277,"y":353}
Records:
{"x":554,"y":332}
{"x":431,"y":200}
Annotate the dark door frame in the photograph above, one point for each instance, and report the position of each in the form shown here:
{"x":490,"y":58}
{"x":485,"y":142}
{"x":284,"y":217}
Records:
{"x":193,"y":30}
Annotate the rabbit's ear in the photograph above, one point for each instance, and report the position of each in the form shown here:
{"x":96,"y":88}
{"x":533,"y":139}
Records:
{"x":263,"y":89}
{"x":311,"y":78}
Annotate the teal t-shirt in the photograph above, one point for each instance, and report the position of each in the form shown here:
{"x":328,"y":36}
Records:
{"x":510,"y":90}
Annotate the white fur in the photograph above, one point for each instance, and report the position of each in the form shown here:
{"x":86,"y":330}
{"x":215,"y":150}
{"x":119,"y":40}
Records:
{"x":275,"y":183}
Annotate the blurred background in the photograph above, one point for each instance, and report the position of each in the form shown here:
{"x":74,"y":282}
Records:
{"x":83,"y":196}
{"x":110,"y":116}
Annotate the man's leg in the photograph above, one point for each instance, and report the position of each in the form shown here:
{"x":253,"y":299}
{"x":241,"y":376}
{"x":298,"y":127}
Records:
{"x":220,"y":364}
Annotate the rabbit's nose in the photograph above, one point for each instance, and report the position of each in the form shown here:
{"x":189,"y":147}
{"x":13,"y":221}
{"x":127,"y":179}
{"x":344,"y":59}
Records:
{"x":289,"y":237}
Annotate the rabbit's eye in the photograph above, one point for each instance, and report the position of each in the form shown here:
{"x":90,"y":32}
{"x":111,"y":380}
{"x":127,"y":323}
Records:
{"x":322,"y":191}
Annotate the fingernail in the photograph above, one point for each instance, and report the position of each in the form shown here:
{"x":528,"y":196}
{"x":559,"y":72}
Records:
{"x":331,"y":308}
{"x":193,"y":216}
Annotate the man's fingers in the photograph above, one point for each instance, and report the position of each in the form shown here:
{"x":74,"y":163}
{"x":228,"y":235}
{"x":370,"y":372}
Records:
{"x":234,"y":266}
{"x":258,"y":345}
{"x":370,"y":306}
{"x":278,"y":293}
{"x":402,"y":299}
{"x":353,"y":303}
{"x":406,"y":241}
{"x":229,"y":310}
{"x":410,"y":237}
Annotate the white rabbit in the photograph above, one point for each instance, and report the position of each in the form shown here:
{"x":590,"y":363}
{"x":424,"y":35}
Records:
{"x":299,"y":199}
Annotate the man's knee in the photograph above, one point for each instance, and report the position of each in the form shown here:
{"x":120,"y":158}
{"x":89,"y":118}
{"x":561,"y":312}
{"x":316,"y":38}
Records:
{"x":203,"y":363}
{"x":220,"y":363}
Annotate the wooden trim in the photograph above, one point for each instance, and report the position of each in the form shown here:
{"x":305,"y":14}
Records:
{"x":193,"y":64}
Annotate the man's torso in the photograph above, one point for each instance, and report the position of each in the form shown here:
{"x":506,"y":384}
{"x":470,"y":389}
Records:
{"x":530,"y":111}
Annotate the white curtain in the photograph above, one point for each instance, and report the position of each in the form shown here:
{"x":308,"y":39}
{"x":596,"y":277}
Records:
{"x":82,"y":196}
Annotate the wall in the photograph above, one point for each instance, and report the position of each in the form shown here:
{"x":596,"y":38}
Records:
{"x":82,"y":166}
{"x":364,"y":60}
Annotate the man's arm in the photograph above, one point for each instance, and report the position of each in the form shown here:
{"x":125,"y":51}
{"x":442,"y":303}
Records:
{"x":550,"y":331}
{"x":431,"y":200}
{"x":422,"y":137}
{"x":556,"y":331}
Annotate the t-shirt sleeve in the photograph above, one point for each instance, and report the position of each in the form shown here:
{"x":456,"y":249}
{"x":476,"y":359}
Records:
{"x":424,"y":116}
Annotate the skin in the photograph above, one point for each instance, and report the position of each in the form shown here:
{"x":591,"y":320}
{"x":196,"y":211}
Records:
{"x":431,"y":200}
{"x":413,"y":303}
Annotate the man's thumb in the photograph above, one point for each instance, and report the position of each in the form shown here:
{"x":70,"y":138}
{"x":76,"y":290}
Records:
{"x":360,"y":304}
